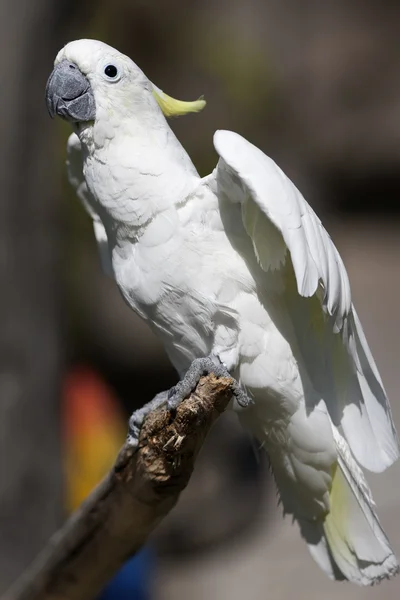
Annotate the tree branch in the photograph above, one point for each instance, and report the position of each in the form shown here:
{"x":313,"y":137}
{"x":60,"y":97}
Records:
{"x":120,"y":514}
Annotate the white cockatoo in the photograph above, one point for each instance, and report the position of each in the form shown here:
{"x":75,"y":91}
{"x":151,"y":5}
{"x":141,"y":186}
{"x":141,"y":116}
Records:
{"x":238,"y":266}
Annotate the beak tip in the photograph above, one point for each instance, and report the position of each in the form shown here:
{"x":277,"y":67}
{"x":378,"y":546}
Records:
{"x":50,"y":110}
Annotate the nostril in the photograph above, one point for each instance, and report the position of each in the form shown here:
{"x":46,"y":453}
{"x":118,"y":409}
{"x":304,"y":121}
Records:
{"x":72,"y":66}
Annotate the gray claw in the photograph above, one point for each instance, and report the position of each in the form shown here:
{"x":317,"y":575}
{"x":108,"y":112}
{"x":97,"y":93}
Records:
{"x":198,"y":368}
{"x":138,"y":417}
{"x":241,"y":397}
{"x":173,"y":397}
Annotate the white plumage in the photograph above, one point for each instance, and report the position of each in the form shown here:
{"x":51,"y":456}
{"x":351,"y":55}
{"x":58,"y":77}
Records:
{"x":77,"y":180}
{"x":239,"y":265}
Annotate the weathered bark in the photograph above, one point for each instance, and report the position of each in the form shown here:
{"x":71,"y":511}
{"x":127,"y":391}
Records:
{"x":117,"y":518}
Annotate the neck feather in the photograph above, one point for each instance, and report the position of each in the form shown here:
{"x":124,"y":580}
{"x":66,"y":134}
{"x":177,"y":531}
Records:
{"x":135,"y":169}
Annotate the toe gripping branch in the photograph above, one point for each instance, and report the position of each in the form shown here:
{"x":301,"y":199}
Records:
{"x":173,"y":397}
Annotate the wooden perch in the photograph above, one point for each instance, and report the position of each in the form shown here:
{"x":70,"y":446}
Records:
{"x":120,"y":514}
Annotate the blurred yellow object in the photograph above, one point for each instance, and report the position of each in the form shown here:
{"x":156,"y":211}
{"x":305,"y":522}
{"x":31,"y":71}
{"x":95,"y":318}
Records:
{"x":94,"y":430}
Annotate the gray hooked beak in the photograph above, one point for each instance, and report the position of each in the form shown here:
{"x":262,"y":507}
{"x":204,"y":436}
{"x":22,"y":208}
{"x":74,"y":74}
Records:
{"x":69,"y":95}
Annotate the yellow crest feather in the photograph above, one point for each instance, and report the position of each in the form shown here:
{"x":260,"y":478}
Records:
{"x":175,"y":108}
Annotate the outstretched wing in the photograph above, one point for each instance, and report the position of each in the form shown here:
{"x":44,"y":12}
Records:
{"x":287,"y":235}
{"x":77,"y":180}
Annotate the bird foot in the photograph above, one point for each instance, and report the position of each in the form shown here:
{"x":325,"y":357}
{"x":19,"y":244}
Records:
{"x":173,"y":397}
{"x":137,"y":418}
{"x":198,"y":368}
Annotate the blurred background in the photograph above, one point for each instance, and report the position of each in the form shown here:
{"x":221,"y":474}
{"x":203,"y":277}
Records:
{"x":316,"y":85}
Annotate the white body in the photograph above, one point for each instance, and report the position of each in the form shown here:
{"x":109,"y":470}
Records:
{"x":237,"y":264}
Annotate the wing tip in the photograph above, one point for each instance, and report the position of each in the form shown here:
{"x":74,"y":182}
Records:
{"x":225,"y":140}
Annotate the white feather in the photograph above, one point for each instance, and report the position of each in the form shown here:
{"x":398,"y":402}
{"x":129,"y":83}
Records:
{"x":355,"y":537}
{"x":77,"y":181}
{"x":239,"y":265}
{"x":335,"y":353}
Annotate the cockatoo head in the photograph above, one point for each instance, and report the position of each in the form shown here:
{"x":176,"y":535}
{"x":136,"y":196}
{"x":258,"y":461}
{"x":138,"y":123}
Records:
{"x":90,"y":77}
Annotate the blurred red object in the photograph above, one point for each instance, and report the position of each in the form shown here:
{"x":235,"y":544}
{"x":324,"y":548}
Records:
{"x":94,"y":428}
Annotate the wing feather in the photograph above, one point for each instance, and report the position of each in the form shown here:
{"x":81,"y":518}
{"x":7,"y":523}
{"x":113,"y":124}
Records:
{"x":336,"y":356}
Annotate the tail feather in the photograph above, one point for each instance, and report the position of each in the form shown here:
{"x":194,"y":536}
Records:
{"x":313,"y":533}
{"x":350,"y":542}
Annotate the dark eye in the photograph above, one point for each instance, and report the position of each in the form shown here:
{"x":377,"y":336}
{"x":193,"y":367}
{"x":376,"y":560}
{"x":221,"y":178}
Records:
{"x":111,"y":71}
